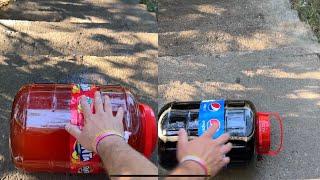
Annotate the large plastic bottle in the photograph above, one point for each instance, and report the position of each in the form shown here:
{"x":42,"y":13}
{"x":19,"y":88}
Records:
{"x":39,"y":143}
{"x":250,"y":130}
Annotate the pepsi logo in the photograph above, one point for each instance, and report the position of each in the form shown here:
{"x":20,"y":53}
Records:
{"x":214,"y":106}
{"x":211,"y":122}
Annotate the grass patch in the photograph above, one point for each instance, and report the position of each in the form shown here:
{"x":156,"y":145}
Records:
{"x":152,"y":5}
{"x":309,"y":11}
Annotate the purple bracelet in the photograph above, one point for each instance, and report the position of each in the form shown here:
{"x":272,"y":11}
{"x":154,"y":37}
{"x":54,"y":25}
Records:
{"x":104,"y":135}
{"x":197,"y":160}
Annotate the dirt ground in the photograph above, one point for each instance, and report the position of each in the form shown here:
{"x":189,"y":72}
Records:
{"x":4,"y":3}
{"x":218,"y":27}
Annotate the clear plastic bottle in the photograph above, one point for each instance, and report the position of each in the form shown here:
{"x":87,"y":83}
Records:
{"x":38,"y":141}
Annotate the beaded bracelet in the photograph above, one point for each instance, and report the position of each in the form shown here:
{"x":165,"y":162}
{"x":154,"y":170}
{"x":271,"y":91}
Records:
{"x":197,"y":160}
{"x":104,"y":135}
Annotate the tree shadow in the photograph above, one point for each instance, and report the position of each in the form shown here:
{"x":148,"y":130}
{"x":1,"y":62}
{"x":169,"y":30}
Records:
{"x":213,"y":27}
{"x":81,"y":28}
{"x":24,"y":42}
{"x":63,"y":10}
{"x":125,"y":48}
{"x":96,"y":42}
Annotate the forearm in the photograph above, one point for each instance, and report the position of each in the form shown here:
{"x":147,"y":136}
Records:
{"x":120,"y":159}
{"x":189,"y":169}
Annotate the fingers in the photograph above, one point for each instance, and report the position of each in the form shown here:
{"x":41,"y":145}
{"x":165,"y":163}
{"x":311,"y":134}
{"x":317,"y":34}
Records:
{"x":107,"y":105}
{"x":120,"y":113}
{"x":223,"y":139}
{"x":98,"y":105}
{"x":225,"y":161}
{"x":211,"y":131}
{"x":182,"y":139}
{"x":85,"y":108}
{"x":73,"y":130}
{"x":226,"y":148}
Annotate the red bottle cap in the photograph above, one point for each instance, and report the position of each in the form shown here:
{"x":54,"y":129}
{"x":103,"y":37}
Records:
{"x":263,"y":133}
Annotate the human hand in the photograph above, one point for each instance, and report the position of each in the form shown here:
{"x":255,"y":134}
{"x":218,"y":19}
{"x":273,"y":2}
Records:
{"x":204,"y":147}
{"x":94,"y":124}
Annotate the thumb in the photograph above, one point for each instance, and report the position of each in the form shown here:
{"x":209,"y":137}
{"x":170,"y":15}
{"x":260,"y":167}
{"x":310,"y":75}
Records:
{"x":73,"y":130}
{"x":182,"y":140}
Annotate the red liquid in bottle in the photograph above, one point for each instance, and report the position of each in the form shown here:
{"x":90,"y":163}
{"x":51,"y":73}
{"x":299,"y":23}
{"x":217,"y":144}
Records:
{"x":39,"y":142}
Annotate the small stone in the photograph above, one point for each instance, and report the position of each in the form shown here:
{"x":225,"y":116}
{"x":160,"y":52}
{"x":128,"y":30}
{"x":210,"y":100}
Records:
{"x":238,"y":80}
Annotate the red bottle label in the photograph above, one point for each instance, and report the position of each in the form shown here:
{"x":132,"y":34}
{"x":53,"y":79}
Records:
{"x":82,"y":160}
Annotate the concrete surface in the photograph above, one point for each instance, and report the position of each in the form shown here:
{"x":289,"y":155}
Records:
{"x":4,"y":3}
{"x":286,"y":81}
{"x":96,"y":28}
{"x":247,"y":49}
{"x":60,"y":38}
{"x":74,"y":41}
{"x":79,"y":11}
{"x":212,"y":27}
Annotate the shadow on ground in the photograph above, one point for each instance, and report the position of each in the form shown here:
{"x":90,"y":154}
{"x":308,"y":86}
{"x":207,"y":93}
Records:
{"x":78,"y":27}
{"x":96,"y":42}
{"x":81,"y":10}
{"x":210,"y":27}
